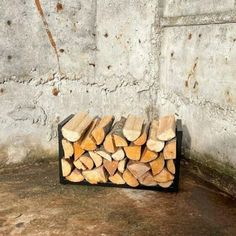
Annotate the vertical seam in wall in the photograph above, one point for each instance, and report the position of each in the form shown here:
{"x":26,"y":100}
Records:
{"x":96,"y":44}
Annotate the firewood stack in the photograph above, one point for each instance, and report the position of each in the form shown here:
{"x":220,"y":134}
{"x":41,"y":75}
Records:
{"x":129,"y":151}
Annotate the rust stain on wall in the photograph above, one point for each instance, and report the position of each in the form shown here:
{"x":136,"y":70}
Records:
{"x":59,"y":7}
{"x":50,"y":37}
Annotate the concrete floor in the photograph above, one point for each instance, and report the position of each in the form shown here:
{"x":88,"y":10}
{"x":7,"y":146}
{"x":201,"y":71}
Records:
{"x":32,"y":202}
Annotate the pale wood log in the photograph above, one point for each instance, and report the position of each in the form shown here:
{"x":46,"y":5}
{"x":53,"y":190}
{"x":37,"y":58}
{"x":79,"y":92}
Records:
{"x":87,"y":161}
{"x":117,"y":133}
{"x":133,"y":127}
{"x":148,"y":155}
{"x":88,"y":143}
{"x":102,"y":129}
{"x":78,"y":151}
{"x":147,"y":179}
{"x":108,"y":144}
{"x":157,"y":165}
{"x":166,"y":128}
{"x":101,"y":151}
{"x":119,"y":154}
{"x":67,"y":148}
{"x":75,"y":176}
{"x":137,"y":168}
{"x":96,"y":175}
{"x":66,"y":167}
{"x":153,"y":143}
{"x":110,"y":166}
{"x":170,"y":166}
{"x":76,"y":127}
{"x":169,"y":151}
{"x":79,"y":165}
{"x":163,"y":176}
{"x":143,"y":137}
{"x":97,"y":159}
{"x":130,"y":179}
{"x":121,"y":165}
{"x":133,"y":152}
{"x":166,"y":184}
{"x":117,"y":178}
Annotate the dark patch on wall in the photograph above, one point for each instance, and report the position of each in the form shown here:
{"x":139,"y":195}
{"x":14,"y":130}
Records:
{"x":189,"y":36}
{"x":1,"y":90}
{"x":9,"y":57}
{"x":9,"y":22}
{"x":92,"y":64}
{"x":172,"y":54}
{"x":50,"y":37}
{"x":195,"y":85}
{"x":200,"y":35}
{"x":55,"y":91}
{"x":106,"y":35}
{"x":139,"y":41}
{"x":109,"y":67}
{"x":61,"y":50}
{"x":59,"y":7}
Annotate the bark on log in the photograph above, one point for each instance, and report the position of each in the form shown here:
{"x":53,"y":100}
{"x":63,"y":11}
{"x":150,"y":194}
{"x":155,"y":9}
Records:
{"x":166,"y":128}
{"x":102,"y":129}
{"x":130,"y":179}
{"x":153,"y":143}
{"x":117,"y":133}
{"x":169,"y":151}
{"x":67,"y":148}
{"x":96,"y":175}
{"x":133,"y":127}
{"x":76,"y":127}
{"x":104,"y":154}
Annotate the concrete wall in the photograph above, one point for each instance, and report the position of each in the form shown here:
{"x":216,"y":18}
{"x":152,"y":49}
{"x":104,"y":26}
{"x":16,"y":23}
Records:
{"x":149,"y":57}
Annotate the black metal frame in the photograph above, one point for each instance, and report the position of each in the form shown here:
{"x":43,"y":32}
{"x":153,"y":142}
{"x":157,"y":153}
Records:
{"x":173,"y":188}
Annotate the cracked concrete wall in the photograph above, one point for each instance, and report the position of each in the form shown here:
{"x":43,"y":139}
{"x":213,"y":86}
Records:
{"x":149,"y":57}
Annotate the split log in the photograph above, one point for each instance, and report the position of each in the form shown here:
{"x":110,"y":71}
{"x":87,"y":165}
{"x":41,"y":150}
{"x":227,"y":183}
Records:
{"x":147,"y":179}
{"x":117,"y":133}
{"x":118,"y":155}
{"x":97,"y":159}
{"x":170,"y":150}
{"x":110,"y":166}
{"x":130,"y":179}
{"x":108,"y":144}
{"x":133,"y":127}
{"x":75,"y":176}
{"x":148,"y":155}
{"x":133,"y":152}
{"x":166,"y":128}
{"x":68,"y":148}
{"x":117,"y":178}
{"x":157,"y":165}
{"x":121,"y":165}
{"x":96,"y":175}
{"x":79,"y":165}
{"x":153,"y":143}
{"x":171,"y":166}
{"x":76,"y":127}
{"x":143,"y":137}
{"x":104,"y":154}
{"x":87,"y":161}
{"x":137,"y":168}
{"x":102,"y":129}
{"x":78,"y":151}
{"x":166,"y":184}
{"x":163,"y":176}
{"x":88,"y":143}
{"x":66,"y":167}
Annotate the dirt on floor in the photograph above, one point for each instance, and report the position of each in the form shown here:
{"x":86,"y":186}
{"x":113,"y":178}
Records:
{"x":32,"y":202}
